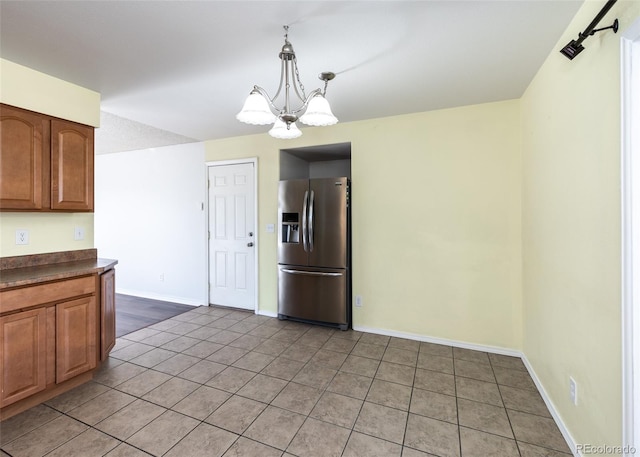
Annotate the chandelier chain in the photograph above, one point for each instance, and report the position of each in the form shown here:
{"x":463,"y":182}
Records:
{"x":295,"y":67}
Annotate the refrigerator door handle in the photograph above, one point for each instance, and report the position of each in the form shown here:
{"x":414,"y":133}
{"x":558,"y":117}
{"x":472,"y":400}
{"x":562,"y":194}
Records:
{"x":305,"y":229}
{"x":309,"y":273}
{"x":310,"y":221}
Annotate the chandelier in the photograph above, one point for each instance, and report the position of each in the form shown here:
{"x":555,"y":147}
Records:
{"x":260,"y":109}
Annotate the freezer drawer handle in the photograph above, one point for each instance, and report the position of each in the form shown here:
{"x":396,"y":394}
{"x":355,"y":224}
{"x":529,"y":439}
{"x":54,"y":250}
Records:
{"x":309,"y":273}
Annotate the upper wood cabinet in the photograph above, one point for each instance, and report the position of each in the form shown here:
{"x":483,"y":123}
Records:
{"x":24,"y":159}
{"x":46,"y":164}
{"x":71,"y":166}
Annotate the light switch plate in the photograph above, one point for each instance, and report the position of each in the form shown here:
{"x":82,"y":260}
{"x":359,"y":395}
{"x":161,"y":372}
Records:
{"x":78,"y":233}
{"x":271,"y":228}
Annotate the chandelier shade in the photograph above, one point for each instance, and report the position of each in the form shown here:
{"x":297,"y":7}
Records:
{"x":285,"y":131}
{"x":314,"y":110}
{"x":318,"y":113}
{"x":256,"y":110}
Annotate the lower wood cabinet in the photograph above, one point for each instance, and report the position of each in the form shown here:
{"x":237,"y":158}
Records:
{"x":52,"y":335}
{"x":108,"y":313}
{"x":23,"y":355}
{"x":76,"y":338}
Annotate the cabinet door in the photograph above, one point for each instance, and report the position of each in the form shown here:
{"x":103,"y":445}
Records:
{"x":76,"y":337}
{"x":24,"y":160}
{"x":23,"y":355}
{"x":108,"y":311}
{"x":71,"y":166}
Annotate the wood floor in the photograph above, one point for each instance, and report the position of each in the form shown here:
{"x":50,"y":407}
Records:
{"x":134,"y":313}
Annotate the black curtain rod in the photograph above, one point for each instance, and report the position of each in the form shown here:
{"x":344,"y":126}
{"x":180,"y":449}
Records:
{"x":575,"y":46}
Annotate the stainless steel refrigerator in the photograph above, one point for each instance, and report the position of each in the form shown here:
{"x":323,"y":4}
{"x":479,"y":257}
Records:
{"x":314,"y":244}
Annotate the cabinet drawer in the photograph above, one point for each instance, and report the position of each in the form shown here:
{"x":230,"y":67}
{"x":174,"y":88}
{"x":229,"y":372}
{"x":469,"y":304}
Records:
{"x":11,"y":300}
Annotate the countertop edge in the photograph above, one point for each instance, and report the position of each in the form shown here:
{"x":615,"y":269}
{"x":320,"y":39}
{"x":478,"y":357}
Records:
{"x":28,"y":276}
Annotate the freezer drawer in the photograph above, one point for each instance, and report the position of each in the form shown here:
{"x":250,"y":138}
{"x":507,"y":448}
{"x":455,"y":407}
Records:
{"x":313,"y":294}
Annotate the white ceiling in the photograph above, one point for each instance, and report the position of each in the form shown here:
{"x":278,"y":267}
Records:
{"x":185,"y":67}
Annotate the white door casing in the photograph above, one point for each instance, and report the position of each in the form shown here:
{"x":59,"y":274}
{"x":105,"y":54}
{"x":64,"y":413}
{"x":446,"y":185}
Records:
{"x":232,"y":235}
{"x":630,"y":177}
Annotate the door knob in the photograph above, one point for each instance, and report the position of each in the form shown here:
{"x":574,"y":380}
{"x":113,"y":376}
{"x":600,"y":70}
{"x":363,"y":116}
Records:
{"x":250,"y":244}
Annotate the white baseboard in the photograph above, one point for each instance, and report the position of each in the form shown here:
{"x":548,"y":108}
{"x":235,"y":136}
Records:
{"x":552,"y":408}
{"x":155,"y":296}
{"x":430,"y":339}
{"x":494,"y":350}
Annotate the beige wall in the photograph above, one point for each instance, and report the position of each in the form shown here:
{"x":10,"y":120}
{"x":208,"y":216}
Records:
{"x":48,"y":232}
{"x":30,"y":89}
{"x":436,"y":220}
{"x":571,"y":228}
{"x":26,"y":88}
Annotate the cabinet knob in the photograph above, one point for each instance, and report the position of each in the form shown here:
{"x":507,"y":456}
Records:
{"x":250,"y":244}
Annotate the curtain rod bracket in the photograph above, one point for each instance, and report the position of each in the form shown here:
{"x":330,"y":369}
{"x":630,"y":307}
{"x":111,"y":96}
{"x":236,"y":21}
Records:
{"x":574,"y":47}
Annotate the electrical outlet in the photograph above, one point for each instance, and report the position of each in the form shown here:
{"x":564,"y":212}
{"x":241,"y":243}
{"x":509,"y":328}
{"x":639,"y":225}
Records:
{"x":161,"y":277}
{"x":358,"y":301}
{"x":78,"y":233}
{"x":573,"y":390}
{"x":22,"y":236}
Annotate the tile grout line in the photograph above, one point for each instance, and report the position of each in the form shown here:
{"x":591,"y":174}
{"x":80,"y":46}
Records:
{"x":505,"y":409}
{"x":363,"y":402}
{"x":455,"y":390}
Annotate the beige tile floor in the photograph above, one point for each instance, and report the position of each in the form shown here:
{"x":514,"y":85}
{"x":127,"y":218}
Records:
{"x":218,"y":382}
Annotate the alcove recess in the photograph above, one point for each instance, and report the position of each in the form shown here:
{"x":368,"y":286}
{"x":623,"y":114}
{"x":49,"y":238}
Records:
{"x":322,"y":161}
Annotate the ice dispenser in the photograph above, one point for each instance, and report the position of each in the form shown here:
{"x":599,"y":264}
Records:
{"x":290,"y":228}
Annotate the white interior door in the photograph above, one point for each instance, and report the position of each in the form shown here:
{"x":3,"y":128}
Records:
{"x":232,"y":241}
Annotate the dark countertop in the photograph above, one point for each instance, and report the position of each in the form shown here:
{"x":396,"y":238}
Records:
{"x":39,"y":273}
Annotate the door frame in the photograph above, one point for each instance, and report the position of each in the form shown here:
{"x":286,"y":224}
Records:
{"x":220,"y":163}
{"x":630,"y":236}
